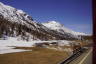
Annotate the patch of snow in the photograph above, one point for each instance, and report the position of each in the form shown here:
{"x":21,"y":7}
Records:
{"x":20,"y":11}
{"x":5,"y":51}
{"x":64,"y":42}
{"x":7,"y":46}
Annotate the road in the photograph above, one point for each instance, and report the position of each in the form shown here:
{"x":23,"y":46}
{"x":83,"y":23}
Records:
{"x":85,"y":58}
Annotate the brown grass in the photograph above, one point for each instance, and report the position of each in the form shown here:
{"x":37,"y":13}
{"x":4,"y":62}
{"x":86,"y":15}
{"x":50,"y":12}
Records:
{"x":36,"y":56}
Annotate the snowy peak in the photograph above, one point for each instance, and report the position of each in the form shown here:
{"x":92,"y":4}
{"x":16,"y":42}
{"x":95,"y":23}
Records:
{"x":13,"y":14}
{"x":16,"y":16}
{"x":53,"y":25}
{"x":60,"y":28}
{"x":56,"y":26}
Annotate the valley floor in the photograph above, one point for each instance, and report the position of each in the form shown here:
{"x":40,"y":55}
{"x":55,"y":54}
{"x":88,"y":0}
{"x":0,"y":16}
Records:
{"x":36,"y":56}
{"x":7,"y":46}
{"x":23,"y":52}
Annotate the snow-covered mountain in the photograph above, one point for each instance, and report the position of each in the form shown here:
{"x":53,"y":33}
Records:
{"x":17,"y":23}
{"x":14,"y":15}
{"x":54,"y":25}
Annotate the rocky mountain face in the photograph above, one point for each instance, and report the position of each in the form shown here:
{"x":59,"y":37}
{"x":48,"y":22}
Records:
{"x":17,"y":23}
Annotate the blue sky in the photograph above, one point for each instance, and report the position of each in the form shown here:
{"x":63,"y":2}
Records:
{"x":74,"y":14}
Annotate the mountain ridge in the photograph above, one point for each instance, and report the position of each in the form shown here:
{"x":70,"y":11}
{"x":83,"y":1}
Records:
{"x":54,"y":25}
{"x":15,"y":22}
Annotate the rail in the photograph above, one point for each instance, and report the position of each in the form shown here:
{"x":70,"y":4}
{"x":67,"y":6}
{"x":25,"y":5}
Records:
{"x":72,"y":57}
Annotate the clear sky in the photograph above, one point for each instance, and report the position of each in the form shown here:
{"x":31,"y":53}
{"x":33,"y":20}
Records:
{"x":74,"y":14}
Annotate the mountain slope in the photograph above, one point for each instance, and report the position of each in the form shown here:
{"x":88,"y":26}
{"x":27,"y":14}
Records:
{"x":16,"y":23}
{"x":62,"y":29}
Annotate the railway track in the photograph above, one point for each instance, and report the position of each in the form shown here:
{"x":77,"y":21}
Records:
{"x":74,"y":56}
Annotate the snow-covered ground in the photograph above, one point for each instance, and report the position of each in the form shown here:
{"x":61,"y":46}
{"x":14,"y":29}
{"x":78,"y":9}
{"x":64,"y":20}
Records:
{"x":7,"y":46}
{"x":5,"y":50}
